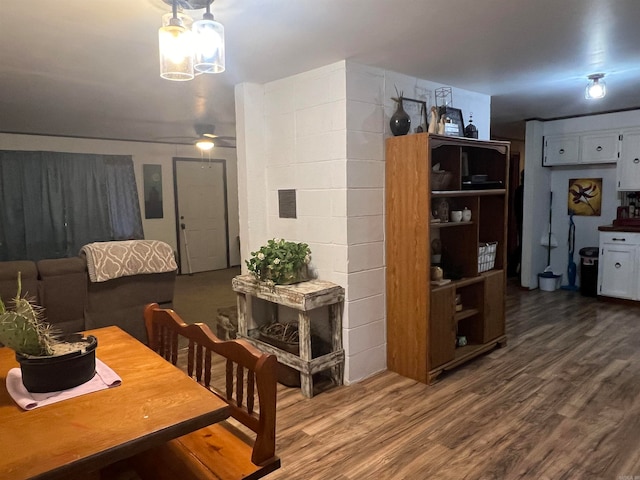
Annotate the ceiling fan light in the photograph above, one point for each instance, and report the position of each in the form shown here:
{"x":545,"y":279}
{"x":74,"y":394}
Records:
{"x":596,"y":88}
{"x":205,"y":144}
{"x":209,"y":45}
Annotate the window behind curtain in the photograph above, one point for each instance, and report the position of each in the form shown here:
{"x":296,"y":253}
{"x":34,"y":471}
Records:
{"x":51,"y":203}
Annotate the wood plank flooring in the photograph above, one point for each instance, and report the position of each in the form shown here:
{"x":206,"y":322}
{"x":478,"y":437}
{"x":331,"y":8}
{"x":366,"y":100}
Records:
{"x":560,"y":401}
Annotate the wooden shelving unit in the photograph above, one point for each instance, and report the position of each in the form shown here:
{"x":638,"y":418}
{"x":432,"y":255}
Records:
{"x":423,"y":326}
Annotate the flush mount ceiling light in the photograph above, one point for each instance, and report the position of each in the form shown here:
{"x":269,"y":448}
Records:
{"x":596,"y":88}
{"x":187,"y":49}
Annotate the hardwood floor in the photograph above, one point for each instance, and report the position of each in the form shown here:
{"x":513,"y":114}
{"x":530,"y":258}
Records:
{"x":560,"y":401}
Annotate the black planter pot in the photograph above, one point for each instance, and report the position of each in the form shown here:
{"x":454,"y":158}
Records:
{"x":59,"y":372}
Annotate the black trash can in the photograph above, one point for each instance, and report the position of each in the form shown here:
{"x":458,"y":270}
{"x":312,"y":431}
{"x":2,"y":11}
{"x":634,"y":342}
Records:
{"x":589,"y":271}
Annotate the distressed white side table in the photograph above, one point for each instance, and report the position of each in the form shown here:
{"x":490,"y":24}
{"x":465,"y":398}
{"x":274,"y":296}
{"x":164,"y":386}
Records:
{"x":303,"y":297}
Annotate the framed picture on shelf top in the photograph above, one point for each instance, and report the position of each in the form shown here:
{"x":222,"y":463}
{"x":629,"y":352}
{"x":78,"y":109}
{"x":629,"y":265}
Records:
{"x":417,"y":110}
{"x":455,"y":114}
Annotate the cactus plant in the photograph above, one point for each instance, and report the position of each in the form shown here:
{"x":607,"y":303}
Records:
{"x":23,"y":328}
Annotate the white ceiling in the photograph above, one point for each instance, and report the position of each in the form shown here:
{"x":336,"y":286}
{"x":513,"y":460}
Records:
{"x":89,"y":68}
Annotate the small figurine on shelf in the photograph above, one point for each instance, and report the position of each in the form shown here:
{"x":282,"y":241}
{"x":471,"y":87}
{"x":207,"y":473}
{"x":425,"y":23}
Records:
{"x":443,"y":210}
{"x":436,"y":251}
{"x":441,"y":125}
{"x":470,"y":131}
{"x":433,"y":121}
{"x":458,"y":303}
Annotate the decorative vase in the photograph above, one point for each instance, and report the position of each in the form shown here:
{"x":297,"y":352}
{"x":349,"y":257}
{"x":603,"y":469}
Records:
{"x":443,"y":210}
{"x":60,"y":372}
{"x":400,"y":122}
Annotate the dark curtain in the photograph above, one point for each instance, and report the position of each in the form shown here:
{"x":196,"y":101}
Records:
{"x":54,"y":203}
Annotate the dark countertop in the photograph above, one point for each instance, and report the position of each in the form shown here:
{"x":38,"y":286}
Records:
{"x":619,"y":228}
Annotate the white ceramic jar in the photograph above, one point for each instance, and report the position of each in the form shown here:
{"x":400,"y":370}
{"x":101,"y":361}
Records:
{"x":456,"y":215}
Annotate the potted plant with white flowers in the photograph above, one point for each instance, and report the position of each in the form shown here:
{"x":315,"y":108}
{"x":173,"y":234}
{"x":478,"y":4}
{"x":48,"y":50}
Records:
{"x":280,"y":262}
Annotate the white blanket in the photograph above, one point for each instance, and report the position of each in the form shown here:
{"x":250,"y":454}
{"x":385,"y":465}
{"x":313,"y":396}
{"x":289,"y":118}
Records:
{"x":107,"y":260}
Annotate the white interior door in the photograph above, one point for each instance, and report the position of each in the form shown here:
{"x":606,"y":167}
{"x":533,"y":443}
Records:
{"x":202,"y":215}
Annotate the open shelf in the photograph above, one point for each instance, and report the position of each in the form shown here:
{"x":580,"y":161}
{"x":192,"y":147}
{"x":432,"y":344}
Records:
{"x":467,"y":193}
{"x":466,"y":313}
{"x":450,"y":224}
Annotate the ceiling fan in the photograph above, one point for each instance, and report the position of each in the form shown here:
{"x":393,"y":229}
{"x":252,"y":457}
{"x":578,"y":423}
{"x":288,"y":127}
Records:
{"x":204,"y":138}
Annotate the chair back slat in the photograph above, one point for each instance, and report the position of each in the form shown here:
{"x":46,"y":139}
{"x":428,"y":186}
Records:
{"x":207,"y":368}
{"x":164,"y":327}
{"x":190,"y":358}
{"x":239,"y":385}
{"x":228,"y":375}
{"x":250,"y":391}
{"x":199,"y":357}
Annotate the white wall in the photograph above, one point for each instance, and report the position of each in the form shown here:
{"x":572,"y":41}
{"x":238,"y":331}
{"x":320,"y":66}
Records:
{"x":322,"y":133}
{"x":144,"y":153}
{"x":539,"y":181}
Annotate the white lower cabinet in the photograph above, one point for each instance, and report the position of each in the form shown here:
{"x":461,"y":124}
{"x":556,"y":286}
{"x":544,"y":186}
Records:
{"x":618,"y":265}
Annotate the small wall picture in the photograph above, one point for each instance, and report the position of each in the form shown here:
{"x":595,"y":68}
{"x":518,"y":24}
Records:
{"x":152,"y":175}
{"x":585,"y":196}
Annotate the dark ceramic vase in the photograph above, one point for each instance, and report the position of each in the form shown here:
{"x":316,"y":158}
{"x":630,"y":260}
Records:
{"x":400,"y":122}
{"x":54,"y":373}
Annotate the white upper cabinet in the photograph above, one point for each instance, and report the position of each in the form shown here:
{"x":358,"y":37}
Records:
{"x":580,"y":148}
{"x":628,"y":171}
{"x":561,"y":150}
{"x":600,"y":147}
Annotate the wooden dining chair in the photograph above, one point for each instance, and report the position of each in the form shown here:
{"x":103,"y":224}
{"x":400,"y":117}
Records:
{"x":219,"y":451}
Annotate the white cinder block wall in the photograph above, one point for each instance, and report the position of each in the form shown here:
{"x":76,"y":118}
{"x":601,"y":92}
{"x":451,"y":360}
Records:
{"x":322,"y":133}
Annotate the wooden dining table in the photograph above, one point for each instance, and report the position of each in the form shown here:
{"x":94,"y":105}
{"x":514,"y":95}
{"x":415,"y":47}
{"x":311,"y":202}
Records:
{"x":155,"y":402}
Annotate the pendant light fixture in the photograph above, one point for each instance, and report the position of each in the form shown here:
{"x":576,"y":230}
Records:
{"x":596,"y":88}
{"x":188,"y":49}
{"x":209,"y":44}
{"x":176,"y":49}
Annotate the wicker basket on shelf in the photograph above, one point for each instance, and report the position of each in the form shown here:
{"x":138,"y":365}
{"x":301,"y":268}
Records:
{"x":440,"y":179}
{"x":486,"y":256}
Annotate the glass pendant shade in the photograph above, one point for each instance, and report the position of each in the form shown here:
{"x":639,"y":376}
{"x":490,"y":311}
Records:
{"x":176,"y":50}
{"x":209,"y":45}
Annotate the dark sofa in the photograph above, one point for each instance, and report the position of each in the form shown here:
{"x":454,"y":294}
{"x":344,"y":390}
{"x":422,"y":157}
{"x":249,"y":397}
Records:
{"x":72,"y":303}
